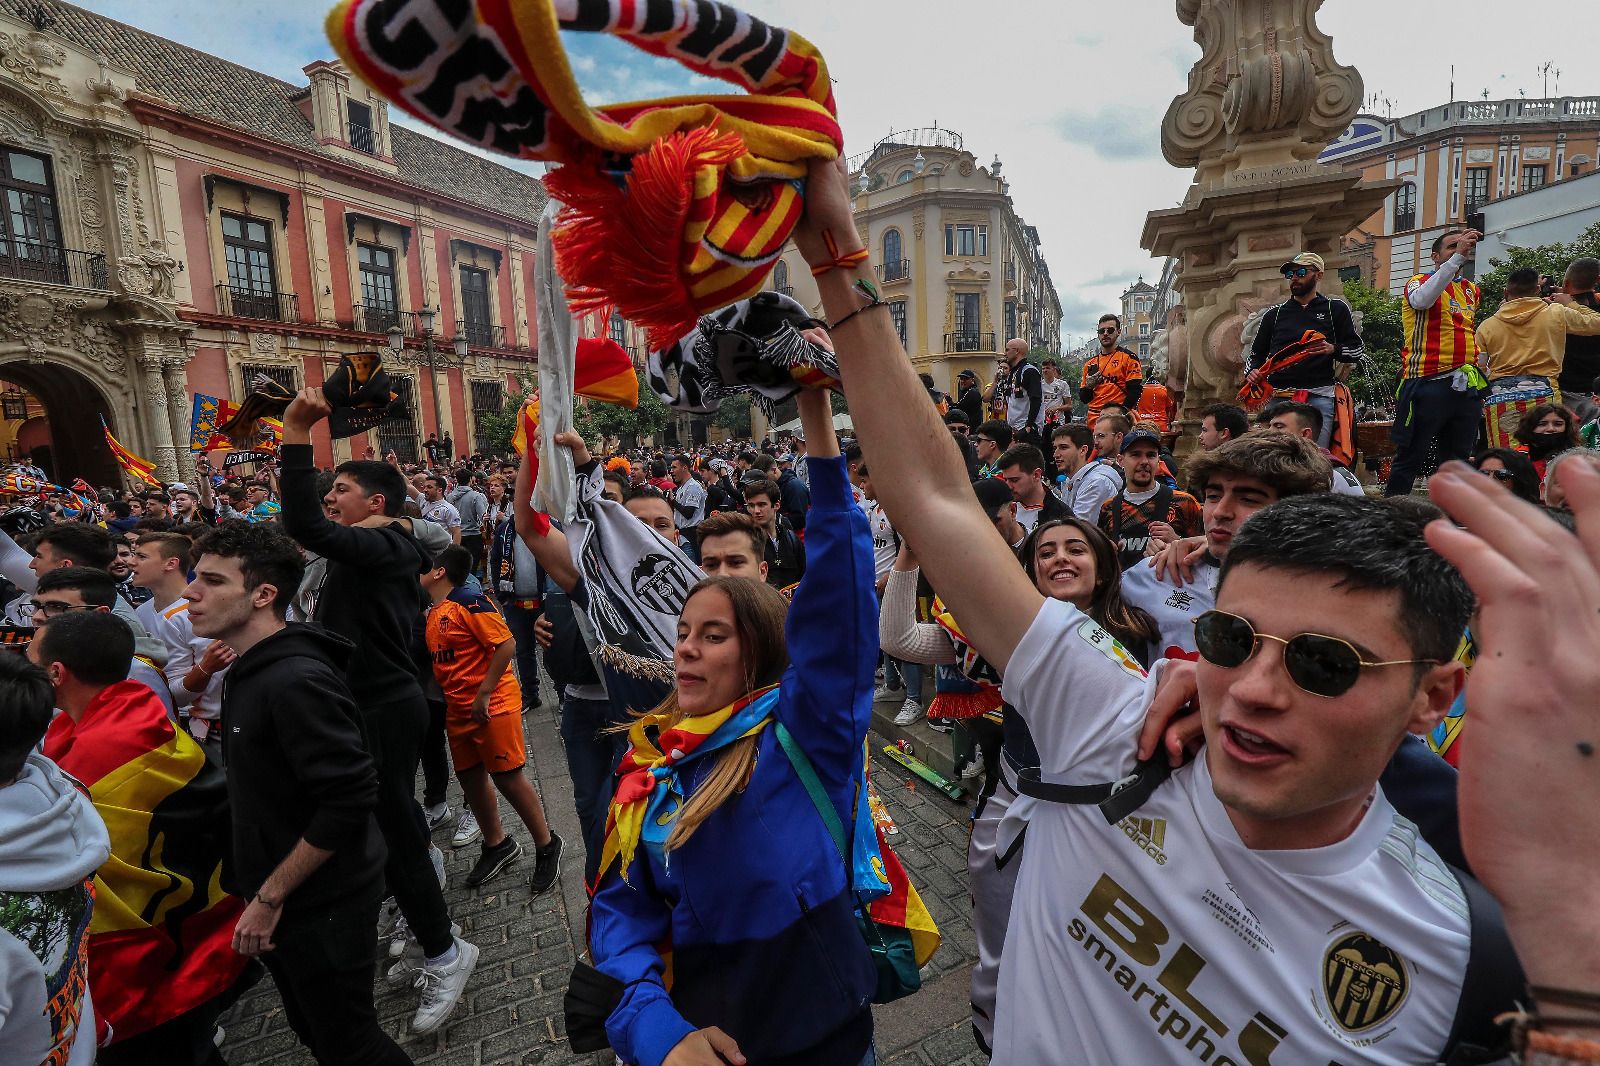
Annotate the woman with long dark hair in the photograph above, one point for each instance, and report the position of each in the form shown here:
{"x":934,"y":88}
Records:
{"x":1512,"y":467}
{"x":717,"y":865}
{"x":1066,"y":559}
{"x":1547,"y":430}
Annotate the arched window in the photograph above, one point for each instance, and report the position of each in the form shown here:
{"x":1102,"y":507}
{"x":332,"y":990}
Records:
{"x":780,"y":278}
{"x":891,"y":246}
{"x":1405,"y":207}
{"x":904,"y":176}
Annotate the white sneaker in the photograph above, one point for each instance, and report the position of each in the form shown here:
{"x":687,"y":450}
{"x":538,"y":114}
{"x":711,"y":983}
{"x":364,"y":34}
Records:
{"x":442,"y":987}
{"x":884,"y":692}
{"x":466,"y":830}
{"x":974,"y":767}
{"x":910,"y":711}
{"x":437,"y":815}
{"x":399,"y":937}
{"x":437,"y":858}
{"x":403,"y":971}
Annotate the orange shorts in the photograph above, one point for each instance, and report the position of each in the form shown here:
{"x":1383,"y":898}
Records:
{"x":497,"y":745}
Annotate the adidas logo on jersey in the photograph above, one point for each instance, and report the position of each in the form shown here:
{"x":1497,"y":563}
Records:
{"x":1148,"y":834}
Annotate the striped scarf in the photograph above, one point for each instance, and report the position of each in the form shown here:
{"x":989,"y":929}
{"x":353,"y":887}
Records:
{"x":1255,"y":391}
{"x":969,"y":688}
{"x":642,"y":811}
{"x":675,"y":207}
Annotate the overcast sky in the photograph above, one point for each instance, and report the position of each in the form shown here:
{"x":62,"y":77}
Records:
{"x":1069,"y":95}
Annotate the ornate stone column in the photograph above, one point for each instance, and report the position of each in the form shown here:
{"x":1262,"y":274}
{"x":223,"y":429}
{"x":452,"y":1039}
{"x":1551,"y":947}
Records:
{"x":157,"y":421}
{"x":1263,"y":102}
{"x":179,"y":407}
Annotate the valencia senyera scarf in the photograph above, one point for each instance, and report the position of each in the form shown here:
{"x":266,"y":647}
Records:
{"x":650,"y":793}
{"x":674,"y":207}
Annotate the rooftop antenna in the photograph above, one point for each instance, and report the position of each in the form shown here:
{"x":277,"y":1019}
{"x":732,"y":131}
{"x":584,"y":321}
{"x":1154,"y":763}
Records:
{"x":1544,"y":70}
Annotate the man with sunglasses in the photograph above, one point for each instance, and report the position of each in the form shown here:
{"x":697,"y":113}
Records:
{"x":1312,"y":378}
{"x":1265,"y":902}
{"x":1111,"y":375}
{"x":990,"y":440}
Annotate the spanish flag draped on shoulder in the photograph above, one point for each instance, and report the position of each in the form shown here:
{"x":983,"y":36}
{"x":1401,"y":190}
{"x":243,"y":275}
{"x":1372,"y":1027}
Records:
{"x":160,"y":940}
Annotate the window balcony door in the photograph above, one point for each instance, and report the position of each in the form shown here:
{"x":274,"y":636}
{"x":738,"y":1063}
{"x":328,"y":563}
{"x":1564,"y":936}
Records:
{"x":477,"y":320}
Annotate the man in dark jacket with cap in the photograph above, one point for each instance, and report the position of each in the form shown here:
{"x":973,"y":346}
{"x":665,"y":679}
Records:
{"x":301,"y":788}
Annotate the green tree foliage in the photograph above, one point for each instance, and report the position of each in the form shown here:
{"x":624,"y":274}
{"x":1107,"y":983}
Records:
{"x":733,"y":415}
{"x":1549,"y":259}
{"x":1376,"y":381}
{"x":594,"y":420}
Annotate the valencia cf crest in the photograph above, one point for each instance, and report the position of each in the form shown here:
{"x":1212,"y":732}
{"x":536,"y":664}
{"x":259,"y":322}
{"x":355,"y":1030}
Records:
{"x":1365,"y":981}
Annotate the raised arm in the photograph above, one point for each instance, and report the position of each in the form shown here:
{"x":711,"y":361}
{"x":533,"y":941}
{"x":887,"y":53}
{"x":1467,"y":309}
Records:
{"x":921,"y":481}
{"x":547,"y":543}
{"x":832,"y":630}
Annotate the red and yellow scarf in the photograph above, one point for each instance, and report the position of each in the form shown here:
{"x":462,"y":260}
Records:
{"x":674,"y":207}
{"x":640,"y":810}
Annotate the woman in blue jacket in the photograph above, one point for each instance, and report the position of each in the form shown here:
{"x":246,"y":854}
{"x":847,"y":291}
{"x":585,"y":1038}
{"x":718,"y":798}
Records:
{"x":723,"y":905}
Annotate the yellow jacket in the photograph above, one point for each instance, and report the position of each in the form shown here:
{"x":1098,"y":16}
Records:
{"x":1529,"y":336}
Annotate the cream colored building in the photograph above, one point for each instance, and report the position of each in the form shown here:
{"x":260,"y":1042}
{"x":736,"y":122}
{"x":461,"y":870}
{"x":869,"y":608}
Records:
{"x":960,"y":268}
{"x":180,"y":224}
{"x":1451,"y":161}
{"x":1138,"y":318}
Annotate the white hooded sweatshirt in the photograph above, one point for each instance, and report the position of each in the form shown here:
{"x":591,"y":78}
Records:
{"x":51,"y":843}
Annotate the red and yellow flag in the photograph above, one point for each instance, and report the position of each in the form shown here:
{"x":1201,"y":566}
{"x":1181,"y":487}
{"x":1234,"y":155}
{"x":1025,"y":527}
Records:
{"x":143,"y":469}
{"x":161,"y":938}
{"x":602,"y":371}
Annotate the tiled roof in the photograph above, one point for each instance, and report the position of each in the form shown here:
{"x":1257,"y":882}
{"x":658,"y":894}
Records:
{"x":212,"y":88}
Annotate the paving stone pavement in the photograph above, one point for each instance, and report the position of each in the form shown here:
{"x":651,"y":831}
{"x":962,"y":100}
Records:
{"x":511,"y":1010}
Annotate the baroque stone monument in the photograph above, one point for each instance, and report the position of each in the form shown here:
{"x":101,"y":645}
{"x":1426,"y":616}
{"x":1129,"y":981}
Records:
{"x":1263,"y":101}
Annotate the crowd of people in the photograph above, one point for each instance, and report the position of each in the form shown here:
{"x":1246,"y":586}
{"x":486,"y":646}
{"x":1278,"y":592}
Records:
{"x":1253,"y":744}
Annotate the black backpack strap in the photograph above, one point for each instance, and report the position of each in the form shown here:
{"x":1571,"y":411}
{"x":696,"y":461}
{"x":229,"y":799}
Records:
{"x":1494,"y":983}
{"x":1116,"y":800}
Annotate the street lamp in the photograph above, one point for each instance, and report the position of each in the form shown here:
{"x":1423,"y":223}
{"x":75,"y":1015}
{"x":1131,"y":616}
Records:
{"x":432,"y":356}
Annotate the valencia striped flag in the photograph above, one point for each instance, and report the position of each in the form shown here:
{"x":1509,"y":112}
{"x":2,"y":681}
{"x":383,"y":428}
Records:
{"x":143,"y":469}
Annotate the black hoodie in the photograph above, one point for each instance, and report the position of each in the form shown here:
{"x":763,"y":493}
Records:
{"x":371,"y":595}
{"x":297,"y":767}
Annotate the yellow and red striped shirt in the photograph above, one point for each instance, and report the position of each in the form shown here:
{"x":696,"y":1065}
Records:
{"x":1439,"y":339}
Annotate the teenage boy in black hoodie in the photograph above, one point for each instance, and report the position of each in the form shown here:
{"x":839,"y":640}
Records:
{"x":371,"y":598}
{"x":301,"y":788}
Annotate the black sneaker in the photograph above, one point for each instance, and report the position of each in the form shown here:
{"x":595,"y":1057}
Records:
{"x":546,"y":865}
{"x":493,"y":860}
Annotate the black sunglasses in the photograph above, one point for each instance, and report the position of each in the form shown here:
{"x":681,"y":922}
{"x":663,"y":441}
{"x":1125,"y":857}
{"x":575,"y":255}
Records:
{"x":980,"y":436}
{"x":1107,"y":329}
{"x":1321,"y":665}
{"x":1499,"y":475}
{"x":1297,"y":272}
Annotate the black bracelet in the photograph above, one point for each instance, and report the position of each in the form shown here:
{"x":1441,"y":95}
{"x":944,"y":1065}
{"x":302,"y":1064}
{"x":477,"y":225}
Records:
{"x":868,"y":291}
{"x":854,"y":313}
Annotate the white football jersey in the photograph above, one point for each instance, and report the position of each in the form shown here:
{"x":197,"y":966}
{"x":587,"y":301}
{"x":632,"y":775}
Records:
{"x":1165,"y":939}
{"x":1174,"y":609}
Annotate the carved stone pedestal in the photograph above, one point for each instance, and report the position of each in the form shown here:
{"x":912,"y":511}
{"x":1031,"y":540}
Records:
{"x":1263,"y":101}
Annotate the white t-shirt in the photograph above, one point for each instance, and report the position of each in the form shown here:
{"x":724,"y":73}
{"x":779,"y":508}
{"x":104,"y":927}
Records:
{"x":184,"y":650}
{"x":1088,"y":490}
{"x":1165,"y":939}
{"x":1055,"y":392}
{"x":884,"y":546}
{"x":1345,"y":482}
{"x":1174,"y":609}
{"x":690,"y":494}
{"x":443,"y":512}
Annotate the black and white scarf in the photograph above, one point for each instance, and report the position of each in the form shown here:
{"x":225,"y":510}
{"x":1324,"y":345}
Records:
{"x":751,"y":346}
